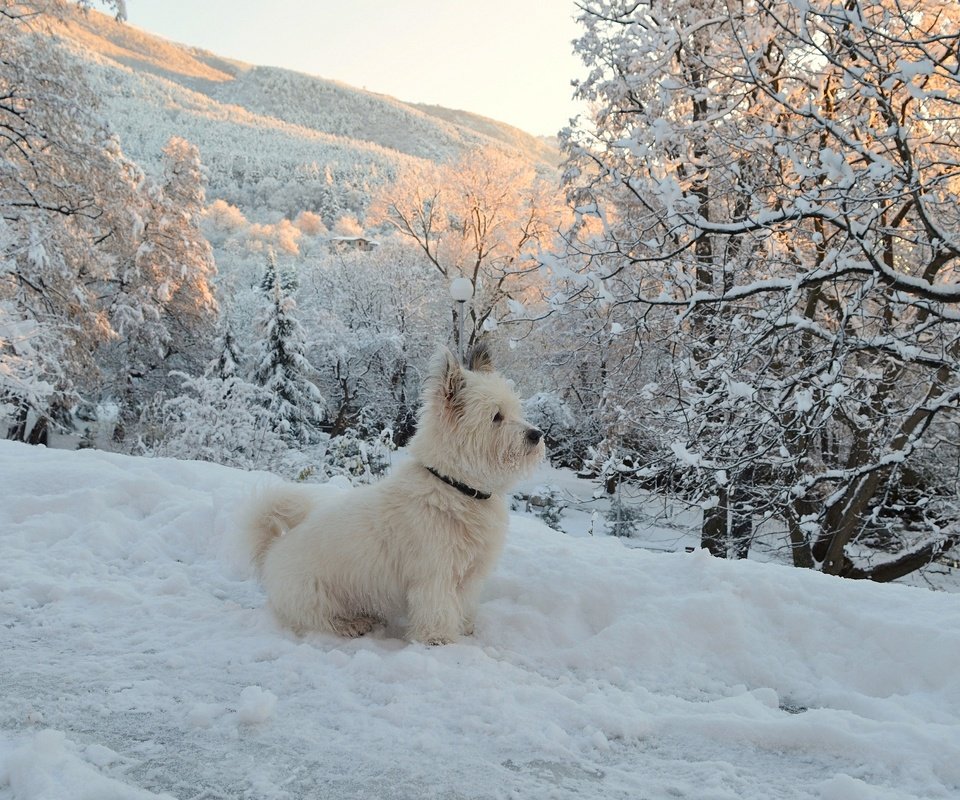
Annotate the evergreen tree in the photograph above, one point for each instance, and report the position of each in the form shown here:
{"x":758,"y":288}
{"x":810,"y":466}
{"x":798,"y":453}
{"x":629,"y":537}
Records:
{"x":270,"y":273}
{"x":287,"y":277}
{"x":227,"y":363}
{"x":295,"y":404}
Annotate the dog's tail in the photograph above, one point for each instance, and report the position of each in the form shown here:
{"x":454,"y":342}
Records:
{"x":272,"y":512}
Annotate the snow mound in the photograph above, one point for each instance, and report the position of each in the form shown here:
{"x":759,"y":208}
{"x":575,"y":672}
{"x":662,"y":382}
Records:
{"x":137,"y":652}
{"x":256,"y":705}
{"x":49,"y":766}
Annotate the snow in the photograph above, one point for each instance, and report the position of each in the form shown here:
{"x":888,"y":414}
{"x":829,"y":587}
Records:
{"x":685,"y":456}
{"x":803,"y":400}
{"x":138,"y":661}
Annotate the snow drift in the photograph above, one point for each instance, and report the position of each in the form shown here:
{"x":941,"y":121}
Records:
{"x":137,"y":661}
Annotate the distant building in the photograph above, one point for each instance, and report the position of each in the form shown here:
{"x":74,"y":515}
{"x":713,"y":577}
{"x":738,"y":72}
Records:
{"x":340,"y":244}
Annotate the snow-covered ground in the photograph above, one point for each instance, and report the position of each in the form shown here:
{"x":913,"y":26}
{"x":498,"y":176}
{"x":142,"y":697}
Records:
{"x":137,"y":660}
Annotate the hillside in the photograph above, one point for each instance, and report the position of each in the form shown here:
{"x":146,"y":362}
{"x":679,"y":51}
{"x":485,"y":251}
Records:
{"x":256,"y":123}
{"x":139,"y":661}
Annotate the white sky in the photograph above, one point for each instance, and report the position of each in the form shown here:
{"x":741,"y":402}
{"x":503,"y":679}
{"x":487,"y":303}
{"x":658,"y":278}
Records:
{"x":506,"y":59}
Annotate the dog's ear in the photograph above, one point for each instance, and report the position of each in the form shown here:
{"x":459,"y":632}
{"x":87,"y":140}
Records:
{"x":446,"y":376}
{"x":480,"y":359}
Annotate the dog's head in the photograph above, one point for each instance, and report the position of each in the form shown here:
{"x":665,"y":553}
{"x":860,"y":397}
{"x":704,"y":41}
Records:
{"x":471,"y":425}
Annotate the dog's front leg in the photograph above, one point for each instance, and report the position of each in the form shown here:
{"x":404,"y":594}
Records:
{"x":434,"y":612}
{"x":469,"y":601}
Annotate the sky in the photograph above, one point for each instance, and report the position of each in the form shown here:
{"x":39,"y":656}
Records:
{"x":510,"y":60}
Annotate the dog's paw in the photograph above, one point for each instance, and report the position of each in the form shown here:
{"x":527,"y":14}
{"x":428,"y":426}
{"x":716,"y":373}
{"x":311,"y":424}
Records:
{"x":433,"y":638}
{"x":468,"y":629}
{"x":353,"y":627}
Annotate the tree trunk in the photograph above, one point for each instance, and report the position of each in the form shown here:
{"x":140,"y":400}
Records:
{"x":713,"y":532}
{"x":799,"y":541}
{"x":844,"y":517}
{"x":40,"y":433}
{"x":727,"y":528}
{"x":18,"y":430}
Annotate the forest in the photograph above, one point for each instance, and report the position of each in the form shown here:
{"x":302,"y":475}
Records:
{"x":740,"y":290}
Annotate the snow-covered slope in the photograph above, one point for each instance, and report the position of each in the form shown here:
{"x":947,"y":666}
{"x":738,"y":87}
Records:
{"x":135,"y":63}
{"x":137,"y":659}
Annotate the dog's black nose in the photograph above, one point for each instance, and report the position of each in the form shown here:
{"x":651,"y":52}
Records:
{"x":534,"y":436}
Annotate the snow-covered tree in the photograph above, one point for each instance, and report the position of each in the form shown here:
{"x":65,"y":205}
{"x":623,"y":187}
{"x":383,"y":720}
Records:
{"x":484,"y":217}
{"x":161,"y":300}
{"x":228,"y":360}
{"x":273,"y":273}
{"x":310,"y":224}
{"x":295,"y":404}
{"x":166,"y":302}
{"x":372,"y":318}
{"x":60,"y":175}
{"x":24,"y":384}
{"x":777,"y":184}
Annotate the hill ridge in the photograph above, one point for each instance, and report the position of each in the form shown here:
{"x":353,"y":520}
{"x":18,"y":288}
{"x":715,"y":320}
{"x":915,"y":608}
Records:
{"x":234,"y":82}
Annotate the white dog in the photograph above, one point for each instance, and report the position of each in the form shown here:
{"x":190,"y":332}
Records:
{"x":417,"y":543}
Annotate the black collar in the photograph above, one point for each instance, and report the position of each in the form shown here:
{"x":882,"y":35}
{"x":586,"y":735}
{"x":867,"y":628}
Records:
{"x":460,"y":487}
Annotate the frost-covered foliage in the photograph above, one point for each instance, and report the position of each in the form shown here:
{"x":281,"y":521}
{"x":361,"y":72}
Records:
{"x":111,"y":272}
{"x":375,"y":318}
{"x":227,"y":363}
{"x":770,"y":192}
{"x":54,"y":162}
{"x":552,"y":414}
{"x":276,"y":142}
{"x":91,"y":249}
{"x":361,"y":459}
{"x":623,"y":519}
{"x":368,"y":318}
{"x":592,"y":372}
{"x":484,"y":217}
{"x":164,"y":308}
{"x":24,"y":384}
{"x":222,"y":420}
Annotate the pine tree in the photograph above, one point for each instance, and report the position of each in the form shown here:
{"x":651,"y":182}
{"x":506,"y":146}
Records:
{"x":222,"y":420}
{"x":270,"y":273}
{"x":287,"y":277}
{"x":295,"y":404}
{"x":227,"y":363}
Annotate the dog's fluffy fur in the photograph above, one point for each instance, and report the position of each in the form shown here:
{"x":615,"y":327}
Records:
{"x":411,"y":544}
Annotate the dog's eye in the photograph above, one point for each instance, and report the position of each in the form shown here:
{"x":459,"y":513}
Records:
{"x":498,"y":417}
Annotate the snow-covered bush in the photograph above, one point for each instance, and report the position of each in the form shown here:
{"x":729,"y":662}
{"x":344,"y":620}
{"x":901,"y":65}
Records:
{"x":220,"y":420}
{"x":360,"y":459}
{"x":24,"y":386}
{"x":622,"y":518}
{"x":546,"y":502}
{"x":220,"y":221}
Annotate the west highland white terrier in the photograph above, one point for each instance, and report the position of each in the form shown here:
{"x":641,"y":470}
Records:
{"x":418,"y":543}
